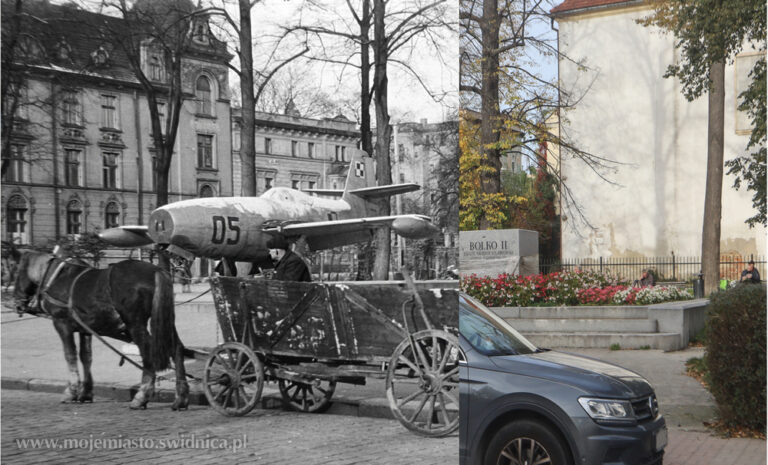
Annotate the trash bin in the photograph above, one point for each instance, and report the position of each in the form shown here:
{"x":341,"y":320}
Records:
{"x":698,"y":287}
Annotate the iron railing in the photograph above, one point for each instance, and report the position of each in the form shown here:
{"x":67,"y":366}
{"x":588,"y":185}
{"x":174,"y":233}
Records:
{"x":669,"y":268}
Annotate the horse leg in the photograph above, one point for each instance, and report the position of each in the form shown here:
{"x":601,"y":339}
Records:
{"x":70,"y":355}
{"x":182,"y":387}
{"x":86,"y":357}
{"x":147,"y":387}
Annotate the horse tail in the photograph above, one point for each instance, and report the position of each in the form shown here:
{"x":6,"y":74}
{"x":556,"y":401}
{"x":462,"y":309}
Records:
{"x":163,"y":339}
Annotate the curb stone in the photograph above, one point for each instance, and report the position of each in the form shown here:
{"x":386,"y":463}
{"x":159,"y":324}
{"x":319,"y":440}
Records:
{"x":372,"y":408}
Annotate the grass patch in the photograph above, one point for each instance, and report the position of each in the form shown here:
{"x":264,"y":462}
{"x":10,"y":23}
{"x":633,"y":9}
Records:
{"x":644,"y":348}
{"x":616,"y":346}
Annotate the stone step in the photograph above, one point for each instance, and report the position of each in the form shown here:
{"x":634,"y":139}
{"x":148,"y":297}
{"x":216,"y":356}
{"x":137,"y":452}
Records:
{"x":584,"y":325}
{"x":572,"y":312}
{"x":662,"y":341}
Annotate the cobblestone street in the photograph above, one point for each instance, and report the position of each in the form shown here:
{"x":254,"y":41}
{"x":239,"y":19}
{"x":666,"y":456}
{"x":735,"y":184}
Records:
{"x":271,"y":436}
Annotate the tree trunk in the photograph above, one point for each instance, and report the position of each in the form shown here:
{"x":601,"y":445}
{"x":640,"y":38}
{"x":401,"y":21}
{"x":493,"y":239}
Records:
{"x":383,"y":135}
{"x":248,"y":130}
{"x":489,"y":107}
{"x":365,"y":251}
{"x":365,"y":81}
{"x":710,"y":238}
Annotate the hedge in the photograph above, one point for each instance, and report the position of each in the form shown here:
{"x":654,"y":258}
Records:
{"x":735,"y":358}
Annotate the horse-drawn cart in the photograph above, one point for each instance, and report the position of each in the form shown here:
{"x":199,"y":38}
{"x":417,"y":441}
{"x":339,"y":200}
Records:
{"x":310,"y":336}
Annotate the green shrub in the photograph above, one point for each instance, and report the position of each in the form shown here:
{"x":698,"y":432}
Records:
{"x":615,"y":346}
{"x":736,"y":355}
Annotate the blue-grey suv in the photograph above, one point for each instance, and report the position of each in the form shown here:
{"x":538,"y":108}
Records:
{"x":521,"y":405}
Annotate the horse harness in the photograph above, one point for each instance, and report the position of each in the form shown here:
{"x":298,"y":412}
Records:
{"x":42,"y":294}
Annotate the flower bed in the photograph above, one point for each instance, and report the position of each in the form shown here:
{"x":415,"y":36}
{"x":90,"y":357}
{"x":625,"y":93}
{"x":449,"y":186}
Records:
{"x":565,"y":288}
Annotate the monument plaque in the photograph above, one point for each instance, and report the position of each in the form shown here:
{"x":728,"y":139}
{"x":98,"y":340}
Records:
{"x":493,"y":252}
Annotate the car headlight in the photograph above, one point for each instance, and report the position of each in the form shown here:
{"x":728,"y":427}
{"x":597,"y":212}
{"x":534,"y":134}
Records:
{"x":608,"y":410}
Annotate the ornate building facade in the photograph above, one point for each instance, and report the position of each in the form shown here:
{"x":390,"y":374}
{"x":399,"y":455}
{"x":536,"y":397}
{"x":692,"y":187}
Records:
{"x":297,"y":152}
{"x":81,"y":152}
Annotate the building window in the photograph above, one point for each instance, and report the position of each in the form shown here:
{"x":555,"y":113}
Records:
{"x":110,"y":170}
{"x":155,"y":68}
{"x":161,"y":116}
{"x":338,"y":153}
{"x":343,"y":154}
{"x":203,"y":93}
{"x":112,"y":215}
{"x":236,"y":139}
{"x":70,"y":108}
{"x":206,"y":191}
{"x":311,"y":149}
{"x":267,"y":145}
{"x":268,"y":183}
{"x":100,"y":56}
{"x":72,"y":167}
{"x":204,"y":151}
{"x":295,"y":184}
{"x":17,"y":219}
{"x":74,"y":217}
{"x":29,"y":47}
{"x":109,"y":111}
{"x":15,"y":163}
{"x":294,"y":148}
{"x":311,"y":184}
{"x":16,"y":102}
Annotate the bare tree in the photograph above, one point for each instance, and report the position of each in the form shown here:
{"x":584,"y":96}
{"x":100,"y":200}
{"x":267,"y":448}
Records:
{"x":252,"y":82}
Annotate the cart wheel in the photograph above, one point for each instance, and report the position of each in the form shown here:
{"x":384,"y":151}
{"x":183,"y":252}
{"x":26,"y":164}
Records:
{"x":233,"y":379}
{"x":307,"y":397}
{"x":423,"y":382}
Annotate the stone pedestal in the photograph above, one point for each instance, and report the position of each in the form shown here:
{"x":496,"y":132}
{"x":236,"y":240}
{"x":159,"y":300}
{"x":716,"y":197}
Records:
{"x":491,"y":253}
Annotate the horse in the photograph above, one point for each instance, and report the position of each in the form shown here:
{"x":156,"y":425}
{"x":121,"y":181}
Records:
{"x":117,"y":302}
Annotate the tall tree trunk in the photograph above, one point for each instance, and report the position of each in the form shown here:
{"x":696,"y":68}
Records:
{"x":365,"y":80}
{"x":383,"y":135}
{"x":365,"y":251}
{"x":710,"y":238}
{"x":248,"y":131}
{"x":489,"y":106}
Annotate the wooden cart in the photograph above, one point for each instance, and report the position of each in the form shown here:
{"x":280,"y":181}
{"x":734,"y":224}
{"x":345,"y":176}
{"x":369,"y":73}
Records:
{"x":310,"y":336}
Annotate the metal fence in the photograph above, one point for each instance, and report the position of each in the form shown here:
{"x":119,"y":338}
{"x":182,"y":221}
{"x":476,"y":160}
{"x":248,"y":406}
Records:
{"x":670,"y":268}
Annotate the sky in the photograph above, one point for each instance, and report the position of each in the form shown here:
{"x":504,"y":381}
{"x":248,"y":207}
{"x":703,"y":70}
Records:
{"x":408,"y":101}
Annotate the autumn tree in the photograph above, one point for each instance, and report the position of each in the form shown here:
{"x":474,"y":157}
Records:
{"x":501,"y":42}
{"x":708,"y":34}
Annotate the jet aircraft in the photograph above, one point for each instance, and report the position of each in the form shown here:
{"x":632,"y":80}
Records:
{"x":238,"y":228}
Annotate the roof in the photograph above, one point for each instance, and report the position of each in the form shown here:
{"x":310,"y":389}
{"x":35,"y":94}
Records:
{"x":82,"y":33}
{"x":569,"y":6}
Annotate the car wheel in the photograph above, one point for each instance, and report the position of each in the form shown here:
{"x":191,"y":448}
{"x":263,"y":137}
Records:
{"x":526,"y":442}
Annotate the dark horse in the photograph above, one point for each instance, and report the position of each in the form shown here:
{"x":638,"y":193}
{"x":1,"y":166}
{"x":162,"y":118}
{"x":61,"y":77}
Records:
{"x":115,"y":302}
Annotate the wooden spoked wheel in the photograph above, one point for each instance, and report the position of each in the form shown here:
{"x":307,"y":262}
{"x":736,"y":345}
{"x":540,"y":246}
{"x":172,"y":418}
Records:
{"x":423,"y":383}
{"x":307,"y":397}
{"x":233,"y":379}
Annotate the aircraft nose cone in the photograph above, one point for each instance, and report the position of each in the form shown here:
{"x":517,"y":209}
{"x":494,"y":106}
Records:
{"x":161,"y":226}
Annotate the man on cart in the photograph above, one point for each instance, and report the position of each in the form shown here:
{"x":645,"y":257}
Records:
{"x":288,"y":265}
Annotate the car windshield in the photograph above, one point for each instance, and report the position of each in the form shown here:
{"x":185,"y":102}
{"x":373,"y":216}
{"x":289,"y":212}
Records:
{"x":487,"y":333}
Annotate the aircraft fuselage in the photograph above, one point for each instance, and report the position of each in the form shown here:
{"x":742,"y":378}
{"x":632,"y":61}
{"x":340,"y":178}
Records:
{"x":232,"y":226}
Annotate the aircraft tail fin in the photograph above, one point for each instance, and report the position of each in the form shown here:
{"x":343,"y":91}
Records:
{"x":361,"y":187}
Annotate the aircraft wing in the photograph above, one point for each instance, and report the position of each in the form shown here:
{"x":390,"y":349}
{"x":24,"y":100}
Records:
{"x":385,"y":191}
{"x":325,"y":234}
